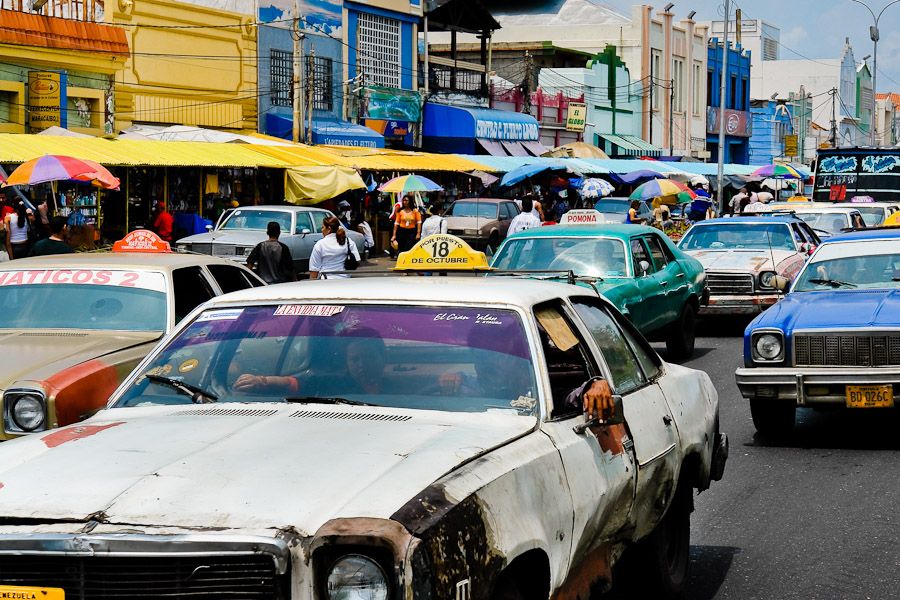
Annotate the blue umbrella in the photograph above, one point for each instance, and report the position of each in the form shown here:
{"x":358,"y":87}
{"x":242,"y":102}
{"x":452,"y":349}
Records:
{"x":526,"y":171}
{"x":596,"y":188}
{"x":638,"y":175}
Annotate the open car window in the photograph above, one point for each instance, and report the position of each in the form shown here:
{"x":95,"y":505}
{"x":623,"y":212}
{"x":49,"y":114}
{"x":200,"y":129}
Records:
{"x":449,"y":359}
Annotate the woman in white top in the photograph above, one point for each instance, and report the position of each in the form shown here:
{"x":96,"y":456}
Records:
{"x":329,"y":253}
{"x":17,"y":225}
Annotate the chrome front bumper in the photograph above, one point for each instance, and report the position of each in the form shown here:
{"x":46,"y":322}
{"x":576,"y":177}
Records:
{"x":739,"y":305}
{"x":809,"y":386}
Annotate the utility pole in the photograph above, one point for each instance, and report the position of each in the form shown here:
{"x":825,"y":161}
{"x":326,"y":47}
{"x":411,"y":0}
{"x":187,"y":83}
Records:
{"x":311,"y":84}
{"x":297,"y":129}
{"x":720,"y":176}
{"x":528,"y":83}
{"x":651,"y":107}
{"x":672,"y":116}
{"x":833,"y":118}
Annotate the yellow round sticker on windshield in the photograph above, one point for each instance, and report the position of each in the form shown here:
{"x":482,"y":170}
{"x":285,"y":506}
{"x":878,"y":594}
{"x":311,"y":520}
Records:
{"x":188,"y":365}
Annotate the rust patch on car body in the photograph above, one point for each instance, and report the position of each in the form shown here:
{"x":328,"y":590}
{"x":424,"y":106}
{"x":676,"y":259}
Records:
{"x":83,"y":389}
{"x":72,"y":434}
{"x":611,"y":438}
{"x":593,"y":573}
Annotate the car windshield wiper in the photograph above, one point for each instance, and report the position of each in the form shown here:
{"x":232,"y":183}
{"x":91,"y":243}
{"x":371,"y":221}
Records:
{"x":318,"y":400}
{"x":832,"y":282}
{"x":196,"y":394}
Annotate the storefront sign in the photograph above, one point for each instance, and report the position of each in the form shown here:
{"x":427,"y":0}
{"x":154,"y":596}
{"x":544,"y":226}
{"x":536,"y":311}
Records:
{"x":46,"y":100}
{"x":391,"y":104}
{"x":790,"y":144}
{"x":577,"y":115}
{"x":505,"y":130}
{"x":737,"y":122}
{"x":388,"y":128}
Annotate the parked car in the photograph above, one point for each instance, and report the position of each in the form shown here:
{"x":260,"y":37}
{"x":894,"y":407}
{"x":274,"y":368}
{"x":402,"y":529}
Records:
{"x":615,"y":210}
{"x":742,"y":255}
{"x":828,"y":221}
{"x":481,"y":222}
{"x":370,"y":450}
{"x":238,"y":232}
{"x":74,"y":325}
{"x":655,"y":285}
{"x":873,"y":213}
{"x":833,"y":341}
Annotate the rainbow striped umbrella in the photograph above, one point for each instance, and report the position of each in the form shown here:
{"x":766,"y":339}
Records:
{"x":410,"y":183}
{"x":663,"y":188}
{"x":782,"y":171}
{"x":51,"y":167}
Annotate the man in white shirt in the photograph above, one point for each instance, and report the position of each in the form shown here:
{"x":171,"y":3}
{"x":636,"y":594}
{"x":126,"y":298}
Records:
{"x":525,"y":219}
{"x":436,"y":223}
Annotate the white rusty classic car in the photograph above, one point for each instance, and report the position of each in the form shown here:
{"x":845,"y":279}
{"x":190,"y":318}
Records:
{"x":352,"y":439}
{"x":742,"y":256}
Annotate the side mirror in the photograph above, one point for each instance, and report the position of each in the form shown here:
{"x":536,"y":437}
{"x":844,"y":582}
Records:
{"x":645,"y":266}
{"x":781,"y":283}
{"x":305,"y":232}
{"x":209,"y":227}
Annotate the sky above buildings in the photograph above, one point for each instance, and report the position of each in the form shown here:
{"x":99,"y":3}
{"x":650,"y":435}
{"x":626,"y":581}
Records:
{"x":813,"y":29}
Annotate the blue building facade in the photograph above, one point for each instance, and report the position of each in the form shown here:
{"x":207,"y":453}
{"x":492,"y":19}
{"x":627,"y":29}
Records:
{"x":772,"y":120}
{"x":739,"y":126}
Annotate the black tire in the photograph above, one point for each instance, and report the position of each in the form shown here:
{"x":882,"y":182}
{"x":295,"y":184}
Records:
{"x":681,"y":334}
{"x":773,"y":419}
{"x":663,"y":555}
{"x":506,"y":589}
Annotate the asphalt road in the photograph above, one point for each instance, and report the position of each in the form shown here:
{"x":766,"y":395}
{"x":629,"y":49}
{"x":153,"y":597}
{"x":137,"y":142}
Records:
{"x":813,"y":518}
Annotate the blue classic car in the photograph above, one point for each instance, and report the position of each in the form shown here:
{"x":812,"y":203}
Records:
{"x":834,"y":340}
{"x":653,"y":283}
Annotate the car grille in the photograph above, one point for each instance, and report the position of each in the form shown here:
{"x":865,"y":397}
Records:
{"x":847,"y":350}
{"x":107,"y":578}
{"x":201,"y":248}
{"x":225,"y":250}
{"x":729,"y":283}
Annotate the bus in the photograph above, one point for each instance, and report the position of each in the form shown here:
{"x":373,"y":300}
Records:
{"x":842,"y":173}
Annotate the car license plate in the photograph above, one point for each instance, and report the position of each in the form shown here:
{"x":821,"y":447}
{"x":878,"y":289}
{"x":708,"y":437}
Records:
{"x":26,"y":593}
{"x":870,"y":396}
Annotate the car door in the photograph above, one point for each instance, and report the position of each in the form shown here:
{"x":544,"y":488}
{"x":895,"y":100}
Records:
{"x":673,"y":278}
{"x":302,"y":243}
{"x":633,"y":370}
{"x":508,"y":210}
{"x":652,"y":284}
{"x":599,"y":469}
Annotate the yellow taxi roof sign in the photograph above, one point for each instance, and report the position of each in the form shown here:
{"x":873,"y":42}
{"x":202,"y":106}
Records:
{"x":442,"y":252}
{"x":892,"y":221}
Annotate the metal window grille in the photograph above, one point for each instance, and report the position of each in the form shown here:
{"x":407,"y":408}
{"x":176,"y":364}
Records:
{"x":378,"y":49}
{"x":281,"y":73}
{"x":319,"y":73}
{"x":770,"y":49}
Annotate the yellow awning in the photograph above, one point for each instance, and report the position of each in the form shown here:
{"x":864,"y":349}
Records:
{"x":311,"y":185}
{"x":378,"y":159}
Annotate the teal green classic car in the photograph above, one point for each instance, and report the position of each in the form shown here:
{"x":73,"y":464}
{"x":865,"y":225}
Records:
{"x":651,"y":281}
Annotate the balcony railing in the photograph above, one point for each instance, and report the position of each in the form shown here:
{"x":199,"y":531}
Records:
{"x":448,"y":75}
{"x":80,"y":10}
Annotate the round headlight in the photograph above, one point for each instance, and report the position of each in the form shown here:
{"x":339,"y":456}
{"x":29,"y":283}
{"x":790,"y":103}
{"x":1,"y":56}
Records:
{"x":355,"y":577}
{"x":767,"y":279}
{"x":28,"y":412}
{"x":768,"y":346}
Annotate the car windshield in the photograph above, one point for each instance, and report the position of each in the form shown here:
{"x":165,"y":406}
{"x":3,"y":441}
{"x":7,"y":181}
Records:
{"x":473,"y":208}
{"x":872,"y":215}
{"x":432,"y":358}
{"x":592,"y":257}
{"x":612,"y":206}
{"x":732,"y":234}
{"x":852,"y":265}
{"x":82,"y":299}
{"x":249,"y":218}
{"x":826,"y":221}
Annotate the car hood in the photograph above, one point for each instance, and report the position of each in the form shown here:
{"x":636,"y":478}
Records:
{"x":36,"y":354}
{"x":241,"y":465}
{"x":468,"y":222}
{"x":833,"y":310}
{"x":245,"y":237}
{"x":740,"y":260}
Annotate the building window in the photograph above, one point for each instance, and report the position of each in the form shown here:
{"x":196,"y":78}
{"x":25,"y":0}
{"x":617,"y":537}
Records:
{"x":744,"y":93}
{"x":319,"y":74}
{"x":770,"y":49}
{"x":733,"y":92}
{"x":678,"y":84}
{"x":710,"y":87}
{"x":656,"y":100}
{"x":698,"y":96}
{"x":378,"y":50}
{"x":281,"y":73}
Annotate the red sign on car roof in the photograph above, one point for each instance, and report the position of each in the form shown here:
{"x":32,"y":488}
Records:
{"x":142,"y":240}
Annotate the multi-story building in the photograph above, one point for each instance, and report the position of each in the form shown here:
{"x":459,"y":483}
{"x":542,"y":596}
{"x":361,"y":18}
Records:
{"x":760,"y":38}
{"x":864,"y":104}
{"x":58,"y":66}
{"x":886,"y":126}
{"x":736,"y":112}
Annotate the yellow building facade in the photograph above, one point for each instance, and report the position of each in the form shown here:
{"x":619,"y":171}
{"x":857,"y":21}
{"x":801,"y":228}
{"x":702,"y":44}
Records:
{"x":189,"y":65}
